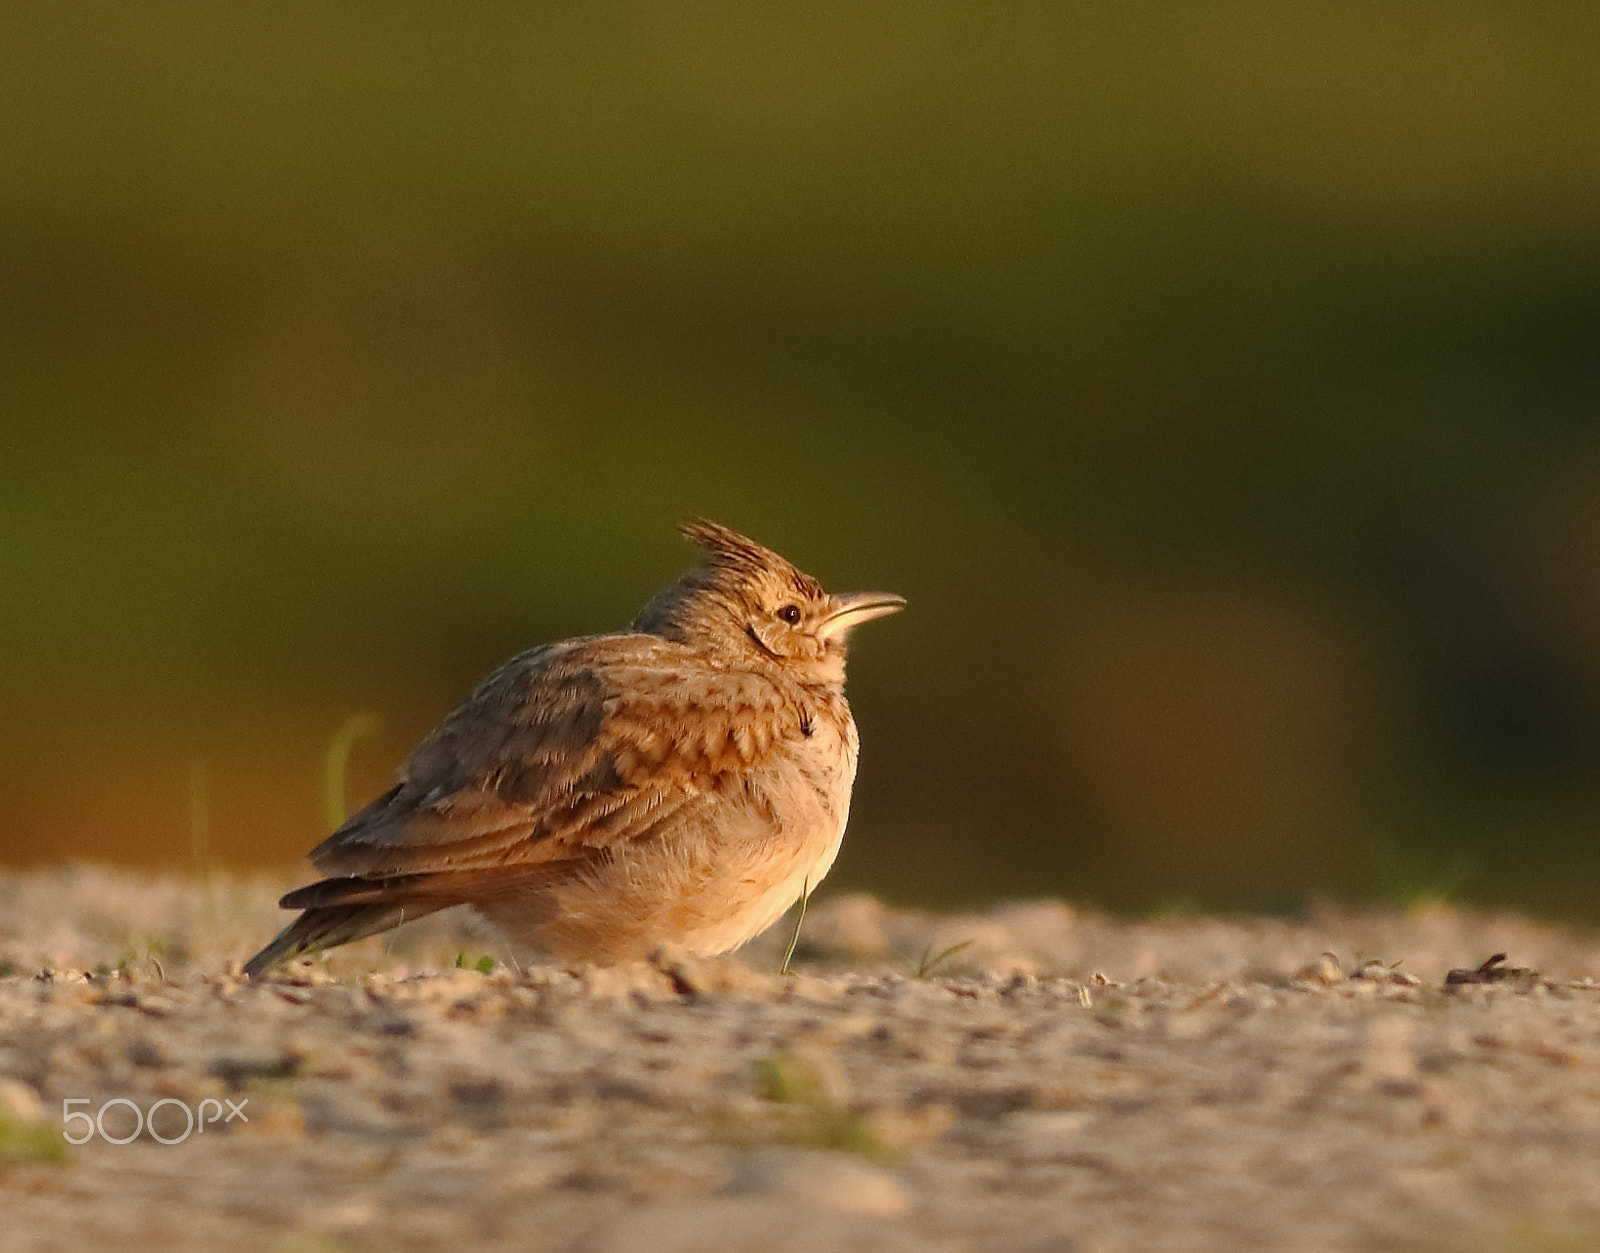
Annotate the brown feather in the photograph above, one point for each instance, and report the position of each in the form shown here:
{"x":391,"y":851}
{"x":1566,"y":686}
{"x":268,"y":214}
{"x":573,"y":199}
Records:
{"x":594,"y":793}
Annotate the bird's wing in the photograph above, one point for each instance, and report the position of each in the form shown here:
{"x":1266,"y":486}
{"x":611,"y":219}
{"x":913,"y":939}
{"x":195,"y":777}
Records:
{"x":569,"y":748}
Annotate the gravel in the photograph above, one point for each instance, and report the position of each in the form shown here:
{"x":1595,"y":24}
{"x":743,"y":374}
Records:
{"x":1033,"y":1078}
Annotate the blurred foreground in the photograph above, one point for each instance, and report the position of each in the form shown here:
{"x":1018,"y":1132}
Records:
{"x":1060,"y":1081}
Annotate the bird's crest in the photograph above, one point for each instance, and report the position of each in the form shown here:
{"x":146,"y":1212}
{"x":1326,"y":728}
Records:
{"x":727,"y":550}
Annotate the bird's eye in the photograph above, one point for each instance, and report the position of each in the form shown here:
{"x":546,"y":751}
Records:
{"x":790,"y":614}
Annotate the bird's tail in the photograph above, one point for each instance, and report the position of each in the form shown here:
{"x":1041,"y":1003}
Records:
{"x":325,"y":926}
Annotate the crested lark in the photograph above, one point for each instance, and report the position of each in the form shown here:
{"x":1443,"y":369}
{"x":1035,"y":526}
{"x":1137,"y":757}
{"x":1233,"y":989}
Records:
{"x":682,"y":782}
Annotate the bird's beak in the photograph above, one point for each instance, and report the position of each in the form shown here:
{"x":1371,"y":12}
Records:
{"x":854,"y":608}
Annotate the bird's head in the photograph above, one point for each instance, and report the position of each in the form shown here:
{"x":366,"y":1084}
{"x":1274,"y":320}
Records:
{"x":745,"y":602}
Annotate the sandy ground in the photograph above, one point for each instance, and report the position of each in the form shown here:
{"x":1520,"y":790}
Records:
{"x":1064,"y":1082}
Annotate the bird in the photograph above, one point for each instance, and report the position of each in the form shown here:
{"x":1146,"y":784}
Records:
{"x":679,"y":784}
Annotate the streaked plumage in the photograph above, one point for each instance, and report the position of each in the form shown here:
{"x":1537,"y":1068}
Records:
{"x":682,"y":782}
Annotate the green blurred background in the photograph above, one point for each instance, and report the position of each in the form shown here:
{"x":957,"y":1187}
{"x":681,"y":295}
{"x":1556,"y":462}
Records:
{"x":1219,"y":383}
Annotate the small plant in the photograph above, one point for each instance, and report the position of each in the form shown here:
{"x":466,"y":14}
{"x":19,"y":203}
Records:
{"x":29,"y":1141}
{"x":824,"y":1123}
{"x":1178,"y":907}
{"x":931,"y":961}
{"x":149,"y":951}
{"x":1414,"y":881}
{"x":336,"y":765}
{"x":783,"y":1078}
{"x":484,"y":965}
{"x":794,"y":940}
{"x":1109,"y":1010}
